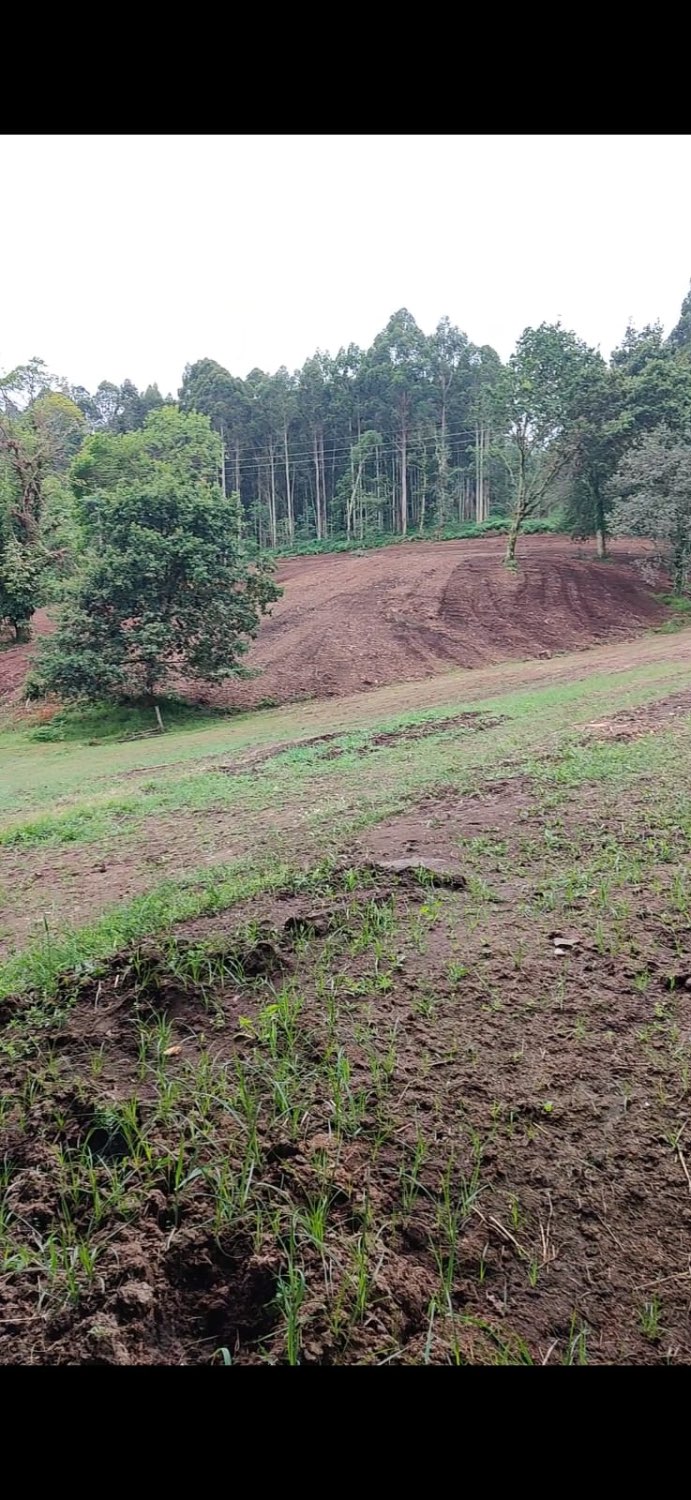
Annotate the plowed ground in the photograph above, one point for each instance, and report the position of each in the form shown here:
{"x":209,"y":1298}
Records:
{"x":406,"y":612}
{"x":346,"y":623}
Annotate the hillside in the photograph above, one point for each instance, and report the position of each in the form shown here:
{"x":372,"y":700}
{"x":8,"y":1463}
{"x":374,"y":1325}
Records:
{"x":348,"y":622}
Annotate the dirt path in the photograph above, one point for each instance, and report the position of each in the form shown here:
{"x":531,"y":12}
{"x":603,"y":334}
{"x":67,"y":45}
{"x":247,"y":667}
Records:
{"x":75,"y":882}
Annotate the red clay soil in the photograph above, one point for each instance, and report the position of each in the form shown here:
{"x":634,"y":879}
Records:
{"x":14,"y":660}
{"x":346,"y":623}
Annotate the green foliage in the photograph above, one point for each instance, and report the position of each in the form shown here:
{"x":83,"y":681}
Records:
{"x":452,"y":531}
{"x":168,"y":436}
{"x":538,"y":394}
{"x":165,"y":585}
{"x":653,"y":488}
{"x":680,"y":337}
{"x":61,"y":424}
{"x":417,"y":433}
{"x":165,"y":588}
{"x":20,"y":570}
{"x":62,"y":538}
{"x":100,"y":723}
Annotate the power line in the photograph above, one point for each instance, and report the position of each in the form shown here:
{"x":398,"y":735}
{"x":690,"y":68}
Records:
{"x":307,"y":455}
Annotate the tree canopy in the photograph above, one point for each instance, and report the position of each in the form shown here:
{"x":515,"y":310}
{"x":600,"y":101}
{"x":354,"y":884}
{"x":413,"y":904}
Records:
{"x":165,"y":588}
{"x":417,"y":433}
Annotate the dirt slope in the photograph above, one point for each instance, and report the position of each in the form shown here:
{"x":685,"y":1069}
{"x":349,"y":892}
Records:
{"x":407,"y":612}
{"x":345,"y":623}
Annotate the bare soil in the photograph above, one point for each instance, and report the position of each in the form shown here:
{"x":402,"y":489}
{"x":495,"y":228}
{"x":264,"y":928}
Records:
{"x":542,"y":1065}
{"x":406,"y":612}
{"x":346,"y":623}
{"x":632,"y":724}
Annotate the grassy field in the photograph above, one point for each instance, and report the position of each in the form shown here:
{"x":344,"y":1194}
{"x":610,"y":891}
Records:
{"x":268,"y":1097}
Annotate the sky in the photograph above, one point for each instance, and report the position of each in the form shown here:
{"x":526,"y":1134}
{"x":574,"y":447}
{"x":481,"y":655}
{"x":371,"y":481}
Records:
{"x":130,"y":256}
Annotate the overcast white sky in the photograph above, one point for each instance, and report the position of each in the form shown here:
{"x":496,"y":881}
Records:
{"x":131,"y":255}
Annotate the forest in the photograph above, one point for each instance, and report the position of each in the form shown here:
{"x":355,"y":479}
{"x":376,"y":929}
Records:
{"x":416,"y":436}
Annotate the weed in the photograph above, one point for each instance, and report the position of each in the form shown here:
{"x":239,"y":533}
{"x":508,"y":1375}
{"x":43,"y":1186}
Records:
{"x":649,"y":1319}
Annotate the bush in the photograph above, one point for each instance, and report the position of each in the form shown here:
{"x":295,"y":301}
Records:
{"x":20,"y":570}
{"x":451,"y":532}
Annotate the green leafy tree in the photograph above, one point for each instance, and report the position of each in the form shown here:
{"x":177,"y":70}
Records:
{"x":653,"y":498}
{"x":135,"y":406}
{"x":168,"y":436}
{"x":680,"y":337}
{"x":538,"y":393}
{"x":449,"y":364}
{"x":209,"y":388}
{"x":397,"y":365}
{"x":602,"y":426}
{"x":165,"y":590}
{"x":20,"y":570}
{"x":484,"y":410}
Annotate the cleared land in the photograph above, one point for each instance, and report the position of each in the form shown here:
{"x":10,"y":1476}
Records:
{"x":407,"y":612}
{"x":266,"y":1096}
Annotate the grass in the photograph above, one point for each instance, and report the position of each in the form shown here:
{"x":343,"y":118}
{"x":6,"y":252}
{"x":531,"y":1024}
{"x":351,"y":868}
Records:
{"x":450,"y":532}
{"x":112,"y":722}
{"x":283,"y":1108}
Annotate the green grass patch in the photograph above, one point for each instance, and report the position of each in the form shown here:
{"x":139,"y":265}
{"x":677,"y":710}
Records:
{"x":101,"y":723}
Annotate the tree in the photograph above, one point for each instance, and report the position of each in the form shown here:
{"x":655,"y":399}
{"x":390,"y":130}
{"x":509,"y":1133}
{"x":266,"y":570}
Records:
{"x":165,"y":589}
{"x":24,"y":454}
{"x":20,"y":569}
{"x":168,"y":436}
{"x":485,"y":369}
{"x":538,"y":400}
{"x":398,"y":362}
{"x":602,"y":427}
{"x":653,"y":490}
{"x":352,"y":491}
{"x":680,"y":338}
{"x":33,"y":442}
{"x":448,"y":361}
{"x":23,"y":385}
{"x":208,"y":388}
{"x":106,"y":405}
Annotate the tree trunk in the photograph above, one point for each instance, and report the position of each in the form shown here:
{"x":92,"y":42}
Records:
{"x":478,"y":471}
{"x":519,"y":513}
{"x":404,"y":478}
{"x":485,"y":476}
{"x":316,"y":481}
{"x":325,"y":517}
{"x":423,"y":500}
{"x":350,"y":509}
{"x":600,"y":529}
{"x":443,"y":463}
{"x":510,"y":554}
{"x":272,"y":497}
{"x":289,"y":493}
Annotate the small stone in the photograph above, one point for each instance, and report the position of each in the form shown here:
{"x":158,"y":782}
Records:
{"x":135,"y":1298}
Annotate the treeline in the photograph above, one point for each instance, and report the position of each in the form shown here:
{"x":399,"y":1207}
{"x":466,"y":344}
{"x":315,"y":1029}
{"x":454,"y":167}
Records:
{"x":396,"y":437}
{"x":419,"y":433}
